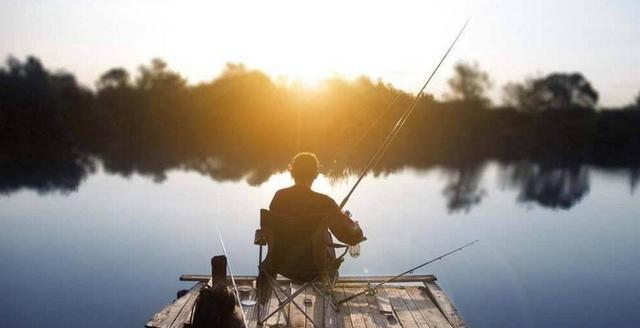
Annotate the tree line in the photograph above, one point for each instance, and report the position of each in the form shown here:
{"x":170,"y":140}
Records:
{"x":244,"y":125}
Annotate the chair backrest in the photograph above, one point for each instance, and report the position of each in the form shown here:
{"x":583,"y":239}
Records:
{"x":297,"y":246}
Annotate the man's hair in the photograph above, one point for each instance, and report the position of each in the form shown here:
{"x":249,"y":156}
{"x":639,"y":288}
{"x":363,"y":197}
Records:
{"x":304,"y":166}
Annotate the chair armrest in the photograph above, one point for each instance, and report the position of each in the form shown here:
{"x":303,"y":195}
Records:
{"x":259,"y":239}
{"x":336,"y":245}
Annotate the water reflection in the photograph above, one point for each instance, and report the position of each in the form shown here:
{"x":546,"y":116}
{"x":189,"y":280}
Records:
{"x":63,"y":173}
{"x":463,"y":190}
{"x":548,"y":185}
{"x":634,"y":177}
{"x":555,"y":186}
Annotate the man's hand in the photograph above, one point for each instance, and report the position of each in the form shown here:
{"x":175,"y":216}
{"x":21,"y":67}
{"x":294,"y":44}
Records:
{"x":358,"y":231}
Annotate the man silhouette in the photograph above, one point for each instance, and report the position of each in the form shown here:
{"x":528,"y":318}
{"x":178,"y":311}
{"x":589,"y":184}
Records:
{"x":299,"y":201}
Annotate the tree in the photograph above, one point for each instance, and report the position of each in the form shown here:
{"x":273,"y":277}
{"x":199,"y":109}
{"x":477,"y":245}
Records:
{"x":470,"y":84}
{"x":514,"y":94}
{"x":158,"y":77}
{"x":557,"y":91}
{"x":113,"y":78}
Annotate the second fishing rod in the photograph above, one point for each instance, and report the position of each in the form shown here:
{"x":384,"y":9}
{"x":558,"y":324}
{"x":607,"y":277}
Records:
{"x":373,"y":289}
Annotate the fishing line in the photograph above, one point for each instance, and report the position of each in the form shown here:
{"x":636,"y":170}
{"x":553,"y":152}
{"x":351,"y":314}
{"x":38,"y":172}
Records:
{"x":233,"y":280}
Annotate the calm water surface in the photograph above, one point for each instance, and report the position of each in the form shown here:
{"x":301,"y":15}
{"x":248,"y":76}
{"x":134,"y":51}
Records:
{"x":109,"y":254}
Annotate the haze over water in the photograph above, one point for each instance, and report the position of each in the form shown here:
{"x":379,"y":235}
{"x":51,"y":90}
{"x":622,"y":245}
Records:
{"x":110,"y":253}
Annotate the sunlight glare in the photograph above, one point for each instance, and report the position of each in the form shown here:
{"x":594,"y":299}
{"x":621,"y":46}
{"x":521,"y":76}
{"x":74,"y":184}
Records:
{"x":311,"y":42}
{"x":322,"y":184}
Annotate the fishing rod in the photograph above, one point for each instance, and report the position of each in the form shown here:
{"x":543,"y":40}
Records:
{"x":347,"y":154}
{"x":370,"y":290}
{"x":233,"y":280}
{"x":377,"y":156}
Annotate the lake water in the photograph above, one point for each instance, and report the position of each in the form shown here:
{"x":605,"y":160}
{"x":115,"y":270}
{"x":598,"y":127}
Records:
{"x":558,"y":248}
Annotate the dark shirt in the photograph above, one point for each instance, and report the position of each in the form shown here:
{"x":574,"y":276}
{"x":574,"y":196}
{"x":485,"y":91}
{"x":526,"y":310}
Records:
{"x":299,"y":200}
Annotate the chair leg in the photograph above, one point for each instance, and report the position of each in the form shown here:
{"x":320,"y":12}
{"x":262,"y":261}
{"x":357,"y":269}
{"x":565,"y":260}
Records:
{"x":290,"y":299}
{"x":332,"y":283}
{"x":281,"y":303}
{"x":275,"y":288}
{"x":329,"y":298}
{"x":333,"y":302}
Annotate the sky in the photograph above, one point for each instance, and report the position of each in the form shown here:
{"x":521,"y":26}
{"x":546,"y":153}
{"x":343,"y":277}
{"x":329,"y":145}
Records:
{"x":398,"y":41}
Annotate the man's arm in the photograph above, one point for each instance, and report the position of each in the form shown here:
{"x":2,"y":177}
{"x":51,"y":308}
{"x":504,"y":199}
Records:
{"x":343,"y":227}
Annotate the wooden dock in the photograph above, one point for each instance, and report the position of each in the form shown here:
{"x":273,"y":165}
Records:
{"x":411,"y":302}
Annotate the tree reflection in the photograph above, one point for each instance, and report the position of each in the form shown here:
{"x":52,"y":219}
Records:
{"x":41,"y":114}
{"x":243,"y":126}
{"x":547,"y":185}
{"x":634,"y":178}
{"x":63,"y":174}
{"x":463,"y":188}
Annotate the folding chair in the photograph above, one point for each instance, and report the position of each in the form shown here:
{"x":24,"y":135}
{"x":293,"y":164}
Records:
{"x":300,"y":249}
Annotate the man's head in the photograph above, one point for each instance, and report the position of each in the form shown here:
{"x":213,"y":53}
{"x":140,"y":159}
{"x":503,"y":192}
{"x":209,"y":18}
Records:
{"x":304,"y":168}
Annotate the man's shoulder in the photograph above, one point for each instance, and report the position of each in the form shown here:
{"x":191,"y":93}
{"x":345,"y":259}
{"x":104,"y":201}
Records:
{"x":323,"y":197}
{"x":305,"y":191}
{"x":285,"y":190}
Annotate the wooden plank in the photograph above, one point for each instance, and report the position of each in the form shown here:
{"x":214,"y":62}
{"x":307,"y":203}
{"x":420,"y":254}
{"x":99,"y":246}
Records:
{"x":412,"y":306}
{"x":166,"y":316}
{"x":341,"y":280}
{"x":415,"y":311}
{"x":400,"y":309}
{"x":343,"y":317}
{"x":382,"y":303}
{"x":357,"y":319}
{"x":390,"y":314}
{"x":445,"y":305}
{"x":295,"y":315}
{"x":310,"y":306}
{"x":331,"y":317}
{"x":383,"y":320}
{"x":186,"y":313}
{"x":361,"y":305}
{"x":429,"y":311}
{"x":340,"y":318}
{"x":318,"y":308}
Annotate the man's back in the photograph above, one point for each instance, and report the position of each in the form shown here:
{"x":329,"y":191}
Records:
{"x":301,"y":201}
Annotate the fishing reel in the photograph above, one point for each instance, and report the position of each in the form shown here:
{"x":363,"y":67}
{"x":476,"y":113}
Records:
{"x":371,"y":291}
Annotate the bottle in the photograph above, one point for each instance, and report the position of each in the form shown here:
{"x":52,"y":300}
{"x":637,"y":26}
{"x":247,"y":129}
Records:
{"x":354,"y":250}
